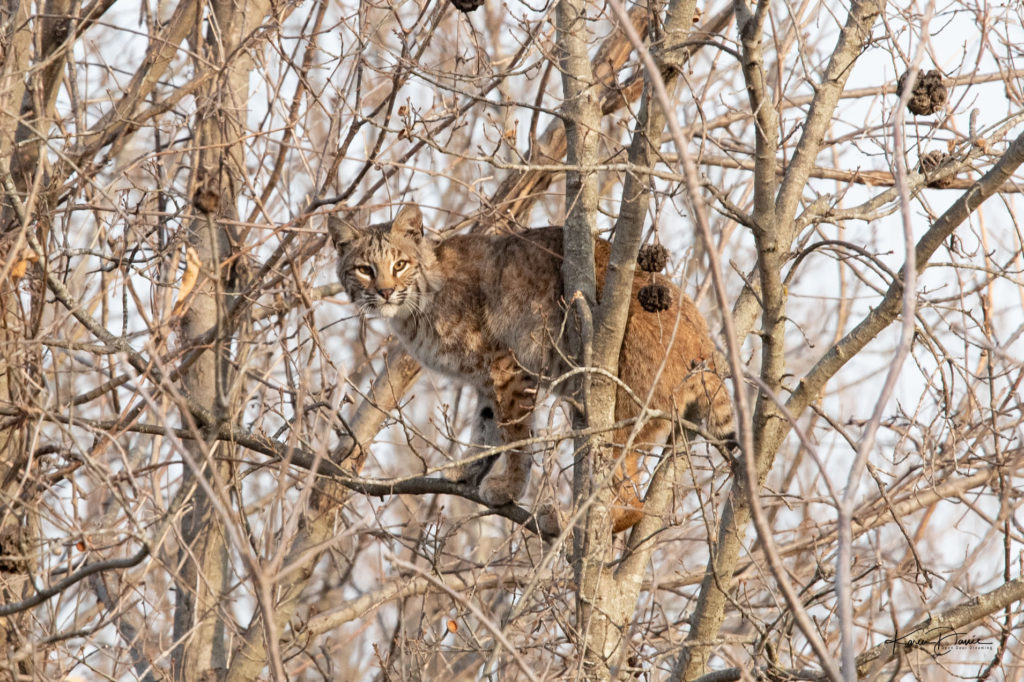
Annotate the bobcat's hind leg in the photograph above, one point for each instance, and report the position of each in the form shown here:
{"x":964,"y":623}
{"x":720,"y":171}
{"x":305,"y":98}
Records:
{"x":629,"y":506}
{"x":514,"y":396}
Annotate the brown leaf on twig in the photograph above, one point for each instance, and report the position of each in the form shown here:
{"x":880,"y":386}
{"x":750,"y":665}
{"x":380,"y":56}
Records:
{"x":20,"y":267}
{"x":188,"y":281}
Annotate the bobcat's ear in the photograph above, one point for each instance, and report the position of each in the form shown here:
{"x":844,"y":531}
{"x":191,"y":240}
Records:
{"x":342,"y":232}
{"x":409,"y":221}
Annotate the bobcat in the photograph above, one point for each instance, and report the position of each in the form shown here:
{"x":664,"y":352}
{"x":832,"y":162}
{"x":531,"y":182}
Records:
{"x":486,"y":310}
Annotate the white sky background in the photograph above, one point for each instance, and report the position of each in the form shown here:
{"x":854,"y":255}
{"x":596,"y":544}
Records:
{"x":952,"y":47}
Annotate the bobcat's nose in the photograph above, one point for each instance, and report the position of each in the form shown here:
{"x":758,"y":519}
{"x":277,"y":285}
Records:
{"x":386,"y":293}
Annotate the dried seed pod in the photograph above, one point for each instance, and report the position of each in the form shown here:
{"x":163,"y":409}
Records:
{"x":928,"y":94}
{"x":654,"y":298}
{"x":929,"y":163}
{"x":207,"y":200}
{"x":467,"y":5}
{"x":652,"y":258}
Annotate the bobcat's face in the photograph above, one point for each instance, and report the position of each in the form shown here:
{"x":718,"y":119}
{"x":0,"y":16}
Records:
{"x":384,"y":268}
{"x":381,"y":279}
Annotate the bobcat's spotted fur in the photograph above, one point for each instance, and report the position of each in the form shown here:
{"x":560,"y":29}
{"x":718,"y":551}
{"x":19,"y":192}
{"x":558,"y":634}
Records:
{"x":487,"y":311}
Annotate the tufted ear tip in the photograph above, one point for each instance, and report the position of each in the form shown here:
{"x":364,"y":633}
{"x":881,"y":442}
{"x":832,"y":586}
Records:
{"x":341,"y":231}
{"x":408,"y":221}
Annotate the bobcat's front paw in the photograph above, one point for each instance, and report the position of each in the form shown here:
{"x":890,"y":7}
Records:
{"x":507,"y":484}
{"x":470,"y":473}
{"x":548,"y":520}
{"x":497,"y":490}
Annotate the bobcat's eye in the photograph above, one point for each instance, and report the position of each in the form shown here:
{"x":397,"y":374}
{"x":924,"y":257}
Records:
{"x":364,"y":270}
{"x":400,"y":265}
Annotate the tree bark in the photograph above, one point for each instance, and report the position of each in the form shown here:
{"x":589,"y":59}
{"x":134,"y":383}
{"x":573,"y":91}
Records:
{"x":218,"y":178}
{"x":30,"y":92}
{"x":596,"y":645}
{"x":774,"y":224}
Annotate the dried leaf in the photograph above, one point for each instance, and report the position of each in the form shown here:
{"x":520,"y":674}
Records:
{"x":19,"y":269}
{"x":188,"y":281}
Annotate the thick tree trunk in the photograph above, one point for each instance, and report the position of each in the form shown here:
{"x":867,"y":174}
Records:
{"x":595,"y":643}
{"x":30,"y":92}
{"x":606,"y":597}
{"x":774,"y":218}
{"x":217,"y":180}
